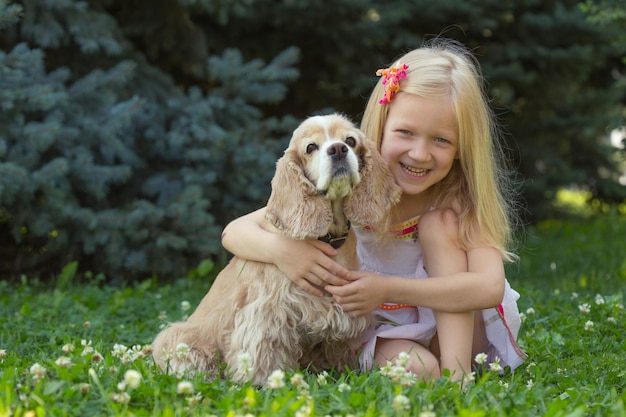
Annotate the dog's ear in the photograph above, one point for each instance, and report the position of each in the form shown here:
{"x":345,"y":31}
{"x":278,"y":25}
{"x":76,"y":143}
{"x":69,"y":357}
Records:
{"x":295,"y":206}
{"x":377,"y":192}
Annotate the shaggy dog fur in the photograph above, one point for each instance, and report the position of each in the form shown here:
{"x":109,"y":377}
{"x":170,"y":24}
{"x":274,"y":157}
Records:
{"x":328,"y":178}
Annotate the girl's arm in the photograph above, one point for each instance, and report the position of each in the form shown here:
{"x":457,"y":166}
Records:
{"x":476,"y":283}
{"x":307,"y":263}
{"x":482,"y":286}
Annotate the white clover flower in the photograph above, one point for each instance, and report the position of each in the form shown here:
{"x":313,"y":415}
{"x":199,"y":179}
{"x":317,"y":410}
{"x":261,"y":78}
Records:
{"x":619,"y":306}
{"x":343,"y":387}
{"x":185,"y":305}
{"x":398,"y":373}
{"x":119,"y":350}
{"x":530,"y":384}
{"x":63,"y":362}
{"x":3,"y":353}
{"x":427,"y":413}
{"x":522,"y":317}
{"x":495,"y":366}
{"x":87,"y":348}
{"x":139,"y":352}
{"x":185,"y":387}
{"x":38,"y":371}
{"x":599,"y":299}
{"x":132,"y":378}
{"x":244,"y":363}
{"x":194,"y":400}
{"x":481,"y":358}
{"x":182,"y":350}
{"x":276,"y":379}
{"x":469,"y":378}
{"x":403,"y":359}
{"x":589,"y":325}
{"x":504,"y":384}
{"x":304,"y":411}
{"x":401,"y":403}
{"x":574,"y":295}
{"x":530,"y":310}
{"x":68,"y":348}
{"x":297,"y":380}
{"x":162,"y":315}
{"x":97,"y":357}
{"x":322,"y":378}
{"x":121,"y":397}
{"x":611,"y":320}
{"x":166,"y":355}
{"x":584,"y":308}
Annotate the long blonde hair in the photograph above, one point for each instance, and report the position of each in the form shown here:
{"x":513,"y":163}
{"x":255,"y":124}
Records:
{"x":478,"y":186}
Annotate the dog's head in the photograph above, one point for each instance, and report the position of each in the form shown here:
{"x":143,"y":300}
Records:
{"x":329,"y":158}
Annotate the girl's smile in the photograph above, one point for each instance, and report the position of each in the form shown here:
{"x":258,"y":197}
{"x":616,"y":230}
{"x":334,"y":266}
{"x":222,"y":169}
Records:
{"x":420,"y":141}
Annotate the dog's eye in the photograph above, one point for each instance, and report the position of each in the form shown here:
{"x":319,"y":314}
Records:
{"x":311,"y":147}
{"x":350,"y":141}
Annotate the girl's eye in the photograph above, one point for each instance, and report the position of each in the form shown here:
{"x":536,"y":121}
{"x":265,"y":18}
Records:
{"x":350,"y":141}
{"x":310,"y":148}
{"x":442,"y":140}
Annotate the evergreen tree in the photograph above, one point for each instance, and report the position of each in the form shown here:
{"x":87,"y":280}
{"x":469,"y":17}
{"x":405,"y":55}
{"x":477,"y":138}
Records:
{"x":110,"y":163}
{"x":549,"y":68}
{"x":131,"y":132}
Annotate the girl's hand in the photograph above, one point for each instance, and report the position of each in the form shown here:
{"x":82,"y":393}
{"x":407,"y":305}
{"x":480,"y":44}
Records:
{"x":309,"y":264}
{"x":366,"y":292}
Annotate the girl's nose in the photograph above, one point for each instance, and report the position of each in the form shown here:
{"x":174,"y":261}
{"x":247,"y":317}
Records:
{"x":420,"y":150}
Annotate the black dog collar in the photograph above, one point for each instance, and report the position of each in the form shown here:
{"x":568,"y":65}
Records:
{"x":334,"y":240}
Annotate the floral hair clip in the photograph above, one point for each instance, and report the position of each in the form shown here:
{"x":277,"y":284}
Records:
{"x":391,"y":81}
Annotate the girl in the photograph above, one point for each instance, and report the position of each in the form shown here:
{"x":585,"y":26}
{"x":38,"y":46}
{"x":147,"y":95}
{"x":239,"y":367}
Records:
{"x":439,"y":294}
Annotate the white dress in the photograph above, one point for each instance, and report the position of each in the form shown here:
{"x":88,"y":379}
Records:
{"x":402,"y":256}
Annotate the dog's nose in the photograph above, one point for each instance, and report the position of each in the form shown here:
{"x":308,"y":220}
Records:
{"x":337,"y":151}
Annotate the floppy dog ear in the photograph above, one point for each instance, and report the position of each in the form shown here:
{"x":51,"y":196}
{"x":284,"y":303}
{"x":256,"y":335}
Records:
{"x":295,"y":206}
{"x":377,"y":192}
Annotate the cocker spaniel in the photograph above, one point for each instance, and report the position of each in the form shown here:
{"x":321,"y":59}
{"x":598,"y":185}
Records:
{"x":254,"y":319}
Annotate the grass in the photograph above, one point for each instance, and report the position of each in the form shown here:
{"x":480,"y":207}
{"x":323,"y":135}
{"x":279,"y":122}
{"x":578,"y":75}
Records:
{"x":75,"y":347}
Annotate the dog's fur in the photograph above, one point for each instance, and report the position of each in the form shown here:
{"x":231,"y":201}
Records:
{"x":328,"y":177}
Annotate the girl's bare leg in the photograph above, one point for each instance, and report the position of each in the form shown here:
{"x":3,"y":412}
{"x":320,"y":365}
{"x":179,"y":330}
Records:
{"x":422,"y":363}
{"x":438,"y":234}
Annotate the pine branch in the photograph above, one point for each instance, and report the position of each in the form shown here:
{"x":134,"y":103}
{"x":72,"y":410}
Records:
{"x":9,"y":14}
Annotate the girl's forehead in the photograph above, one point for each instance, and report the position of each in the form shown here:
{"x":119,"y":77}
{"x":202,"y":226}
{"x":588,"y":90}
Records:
{"x":413,"y":106}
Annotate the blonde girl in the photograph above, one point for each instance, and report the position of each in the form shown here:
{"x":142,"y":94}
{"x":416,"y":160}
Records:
{"x":435,"y":280}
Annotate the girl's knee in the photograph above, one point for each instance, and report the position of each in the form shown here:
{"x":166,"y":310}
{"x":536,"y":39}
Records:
{"x":425,"y":366}
{"x":421,"y":361}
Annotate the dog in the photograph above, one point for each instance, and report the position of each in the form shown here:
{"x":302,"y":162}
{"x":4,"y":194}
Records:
{"x":329,"y":179}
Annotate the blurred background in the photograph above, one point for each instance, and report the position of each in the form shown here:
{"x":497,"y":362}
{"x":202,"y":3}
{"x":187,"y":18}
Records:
{"x":132,"y":131}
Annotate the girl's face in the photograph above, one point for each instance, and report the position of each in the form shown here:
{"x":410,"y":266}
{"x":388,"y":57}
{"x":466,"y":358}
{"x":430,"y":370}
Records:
{"x":420,"y":141}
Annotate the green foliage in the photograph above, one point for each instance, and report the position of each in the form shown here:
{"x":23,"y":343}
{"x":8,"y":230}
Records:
{"x":88,"y":336}
{"x":110,"y":163}
{"x":553,"y":72}
{"x":132,"y":132}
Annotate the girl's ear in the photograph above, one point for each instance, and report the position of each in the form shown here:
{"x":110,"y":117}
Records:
{"x":295,"y":207}
{"x":377,"y":192}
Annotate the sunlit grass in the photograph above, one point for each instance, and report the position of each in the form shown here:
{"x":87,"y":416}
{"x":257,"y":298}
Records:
{"x":579,"y":202}
{"x":80,"y":347}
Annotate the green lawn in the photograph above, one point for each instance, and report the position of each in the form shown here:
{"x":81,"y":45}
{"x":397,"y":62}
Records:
{"x":75,"y":348}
